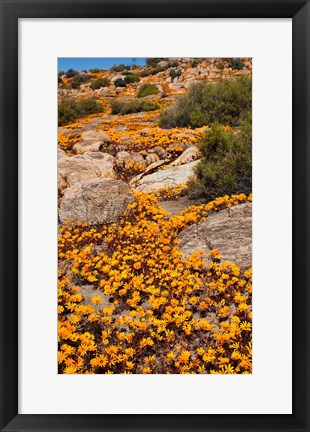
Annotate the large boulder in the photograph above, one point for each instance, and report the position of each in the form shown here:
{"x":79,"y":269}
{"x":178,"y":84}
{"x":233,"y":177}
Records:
{"x":229,"y":231}
{"x":95,"y":201}
{"x":84,"y":167}
{"x":170,"y":178}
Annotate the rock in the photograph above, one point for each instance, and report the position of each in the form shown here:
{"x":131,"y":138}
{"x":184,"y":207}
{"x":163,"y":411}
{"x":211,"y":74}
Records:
{"x":151,"y":168}
{"x":91,"y":140}
{"x":151,"y":158}
{"x":229,"y":231}
{"x":161,"y":152}
{"x":61,"y":153}
{"x":169,"y":177}
{"x":190,"y":154}
{"x":85,"y":146}
{"x":125,"y":160}
{"x":95,"y":201}
{"x":84,"y":167}
{"x":178,"y":145}
{"x":120,"y":159}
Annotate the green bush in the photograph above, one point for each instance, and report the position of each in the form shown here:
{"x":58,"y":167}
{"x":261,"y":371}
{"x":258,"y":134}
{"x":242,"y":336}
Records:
{"x":153,"y":61}
{"x":226,"y":102}
{"x":236,"y":63}
{"x":71,"y":73}
{"x":69,"y":111}
{"x":88,"y":106}
{"x":173,"y":64}
{"x":131,"y":78}
{"x":94,"y":70}
{"x":132,"y":106}
{"x":119,"y":82}
{"x":226,"y":165}
{"x":147,"y":89}
{"x":60,"y":73}
{"x":119,"y":68}
{"x":174,"y":73}
{"x":66,"y":114}
{"x":79,"y":79}
{"x":100,"y":82}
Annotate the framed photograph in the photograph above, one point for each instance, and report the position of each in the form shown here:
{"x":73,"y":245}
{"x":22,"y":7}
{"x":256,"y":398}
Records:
{"x":154,"y":215}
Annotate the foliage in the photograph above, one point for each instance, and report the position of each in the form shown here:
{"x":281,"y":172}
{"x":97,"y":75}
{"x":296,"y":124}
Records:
{"x":69,"y":111}
{"x":71,"y":73}
{"x":133,"y":106}
{"x":236,"y":63}
{"x":66,"y":114}
{"x":79,"y":79}
{"x":226,"y":166}
{"x":174,"y":73}
{"x":228,"y":102}
{"x":100,"y":82}
{"x":152,"y":312}
{"x":131,"y":78}
{"x":147,"y":89}
{"x":94,"y":70}
{"x":153,"y":61}
{"x":119,"y":82}
{"x":119,"y":68}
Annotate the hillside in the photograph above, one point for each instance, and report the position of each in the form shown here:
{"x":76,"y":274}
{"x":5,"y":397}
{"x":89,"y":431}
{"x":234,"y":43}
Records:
{"x":155,"y":217}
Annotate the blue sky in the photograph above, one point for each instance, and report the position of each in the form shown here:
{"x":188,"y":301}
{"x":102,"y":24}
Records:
{"x":81,"y":63}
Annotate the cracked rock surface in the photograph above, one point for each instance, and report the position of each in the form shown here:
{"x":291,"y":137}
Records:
{"x":229,"y":231}
{"x":170,"y":177}
{"x":95,"y":201}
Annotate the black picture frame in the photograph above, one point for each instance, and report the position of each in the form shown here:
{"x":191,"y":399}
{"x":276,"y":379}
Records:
{"x":11,"y":11}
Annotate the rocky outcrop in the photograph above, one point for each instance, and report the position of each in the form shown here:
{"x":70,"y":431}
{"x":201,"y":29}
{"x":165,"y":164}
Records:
{"x":85,"y":167}
{"x":91,"y":140}
{"x":170,"y":177}
{"x":127,"y":161}
{"x":95,"y":201}
{"x":189,"y":155}
{"x":229,"y":231}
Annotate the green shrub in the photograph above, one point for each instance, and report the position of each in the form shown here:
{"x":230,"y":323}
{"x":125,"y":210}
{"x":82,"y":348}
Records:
{"x":226,"y":166}
{"x":119,"y":82}
{"x":66,"y":114}
{"x":88,"y":106}
{"x":69,"y":111}
{"x":195,"y":63}
{"x":60,"y":73}
{"x":94,"y":70}
{"x":131,"y":78}
{"x":236,"y":63}
{"x":132,"y":106}
{"x":119,"y":68}
{"x":100,"y":82}
{"x":174,"y":73}
{"x":147,"y":89}
{"x":173,"y":64}
{"x":71,"y":73}
{"x":226,"y":102}
{"x":79,"y":79}
{"x":153,"y":61}
{"x":158,"y":69}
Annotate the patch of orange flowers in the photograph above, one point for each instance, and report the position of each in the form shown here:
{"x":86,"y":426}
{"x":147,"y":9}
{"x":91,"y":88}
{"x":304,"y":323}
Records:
{"x":156,"y":312}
